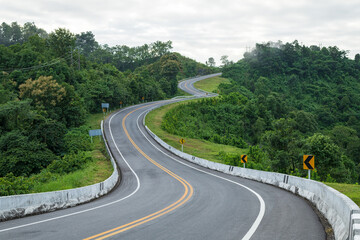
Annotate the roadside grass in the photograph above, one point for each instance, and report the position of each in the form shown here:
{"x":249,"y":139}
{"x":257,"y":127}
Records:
{"x":210,"y":84}
{"x":98,"y":170}
{"x":350,"y":190}
{"x":210,"y":151}
{"x":196,"y":147}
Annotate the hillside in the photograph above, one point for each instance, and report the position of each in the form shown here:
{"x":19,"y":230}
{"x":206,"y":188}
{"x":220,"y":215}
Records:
{"x":50,"y":82}
{"x":284,"y":101}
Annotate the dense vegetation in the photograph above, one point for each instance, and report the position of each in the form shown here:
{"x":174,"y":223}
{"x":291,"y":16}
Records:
{"x":49,"y":82}
{"x":284,"y":100}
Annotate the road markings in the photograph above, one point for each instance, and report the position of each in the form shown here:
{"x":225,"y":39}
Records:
{"x":192,"y":91}
{"x":184,"y":198}
{"x":89,"y":209}
{"x":261,"y":214}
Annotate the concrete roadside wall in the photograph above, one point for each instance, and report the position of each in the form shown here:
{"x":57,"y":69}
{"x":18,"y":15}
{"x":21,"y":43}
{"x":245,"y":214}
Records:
{"x":342,"y":213}
{"x":21,"y":205}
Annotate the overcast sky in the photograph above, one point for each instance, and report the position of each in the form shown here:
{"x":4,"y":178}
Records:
{"x":199,"y":29}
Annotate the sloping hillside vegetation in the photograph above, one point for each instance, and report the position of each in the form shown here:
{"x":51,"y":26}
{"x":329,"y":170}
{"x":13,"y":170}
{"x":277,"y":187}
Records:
{"x":50,"y":82}
{"x":284,"y":101}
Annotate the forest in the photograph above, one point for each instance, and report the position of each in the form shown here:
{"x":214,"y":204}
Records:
{"x":50,"y":82}
{"x":284,"y":101}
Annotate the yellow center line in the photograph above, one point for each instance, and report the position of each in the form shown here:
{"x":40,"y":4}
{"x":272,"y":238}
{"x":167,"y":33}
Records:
{"x":184,"y":198}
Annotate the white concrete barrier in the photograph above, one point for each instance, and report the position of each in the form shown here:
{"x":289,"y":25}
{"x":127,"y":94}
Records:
{"x":21,"y":205}
{"x":341,"y":212}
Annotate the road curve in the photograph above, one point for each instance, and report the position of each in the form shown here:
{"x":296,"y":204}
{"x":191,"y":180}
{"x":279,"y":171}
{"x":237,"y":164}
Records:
{"x":164,"y":197}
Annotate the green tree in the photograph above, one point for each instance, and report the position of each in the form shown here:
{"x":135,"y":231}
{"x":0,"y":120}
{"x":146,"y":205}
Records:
{"x":77,"y":140}
{"x":328,"y":158}
{"x":224,"y":60}
{"x":21,"y":156}
{"x":62,"y":42}
{"x":86,"y":42}
{"x":15,"y":115}
{"x":51,"y":133}
{"x":211,"y":62}
{"x":169,"y":68}
{"x":305,"y":122}
{"x":159,"y":48}
{"x":347,"y":139}
{"x":282,"y":145}
{"x":44,"y":91}
{"x":10,"y":34}
{"x":29,"y":29}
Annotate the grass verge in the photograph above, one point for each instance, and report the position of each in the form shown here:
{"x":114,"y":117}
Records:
{"x":210,"y":151}
{"x":350,"y":190}
{"x":210,"y":84}
{"x":196,"y":147}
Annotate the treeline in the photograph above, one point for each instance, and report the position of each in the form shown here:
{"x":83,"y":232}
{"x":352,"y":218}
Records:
{"x":284,"y":101}
{"x":49,"y":82}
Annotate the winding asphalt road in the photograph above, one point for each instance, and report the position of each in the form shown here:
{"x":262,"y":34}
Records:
{"x":164,"y":197}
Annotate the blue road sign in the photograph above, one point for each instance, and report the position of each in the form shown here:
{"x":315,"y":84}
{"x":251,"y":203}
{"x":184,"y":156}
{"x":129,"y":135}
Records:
{"x":104,"y":105}
{"x":96,"y":132}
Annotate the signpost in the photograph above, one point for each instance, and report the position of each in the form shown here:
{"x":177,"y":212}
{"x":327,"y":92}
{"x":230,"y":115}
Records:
{"x":244,"y":159}
{"x":182,"y":141}
{"x":105,"y":108}
{"x":143,"y":98}
{"x":96,"y":132}
{"x":121,"y":104}
{"x":309,"y":163}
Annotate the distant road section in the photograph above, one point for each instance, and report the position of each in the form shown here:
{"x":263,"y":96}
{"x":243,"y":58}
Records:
{"x":164,"y":197}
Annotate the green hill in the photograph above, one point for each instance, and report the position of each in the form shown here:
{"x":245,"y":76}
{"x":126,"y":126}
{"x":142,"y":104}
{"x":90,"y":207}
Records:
{"x":284,"y":101}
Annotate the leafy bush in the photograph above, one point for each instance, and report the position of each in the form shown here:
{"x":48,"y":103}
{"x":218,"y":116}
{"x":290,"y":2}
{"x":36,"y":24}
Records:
{"x":70,"y":163}
{"x":12,"y":185}
{"x":22,"y":156}
{"x":77,"y":140}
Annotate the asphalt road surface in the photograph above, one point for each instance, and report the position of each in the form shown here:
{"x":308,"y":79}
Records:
{"x":164,"y":197}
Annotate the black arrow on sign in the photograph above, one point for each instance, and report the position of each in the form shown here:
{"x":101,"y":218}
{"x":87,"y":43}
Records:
{"x":307,"y":160}
{"x":243,"y":158}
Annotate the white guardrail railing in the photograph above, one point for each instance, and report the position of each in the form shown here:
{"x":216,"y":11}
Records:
{"x":341,"y":212}
{"x":27,"y":204}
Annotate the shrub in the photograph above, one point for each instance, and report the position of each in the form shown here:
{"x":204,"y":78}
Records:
{"x":77,"y":140}
{"x":12,"y":185}
{"x":70,"y":163}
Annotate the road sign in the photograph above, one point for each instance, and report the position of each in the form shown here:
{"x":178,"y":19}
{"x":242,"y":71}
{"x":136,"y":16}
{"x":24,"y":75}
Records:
{"x":182,"y":141}
{"x":243,"y":158}
{"x":96,"y":132}
{"x":309,"y":162}
{"x":143,"y":98}
{"x":104,"y":105}
{"x":120,"y":102}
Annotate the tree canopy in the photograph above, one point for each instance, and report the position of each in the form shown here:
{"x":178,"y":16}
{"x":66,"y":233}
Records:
{"x":50,"y":82}
{"x":284,"y":101}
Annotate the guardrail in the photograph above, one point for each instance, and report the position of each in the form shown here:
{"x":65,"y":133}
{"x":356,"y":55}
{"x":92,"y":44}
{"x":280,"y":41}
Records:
{"x":16,"y":206}
{"x":341,"y":212}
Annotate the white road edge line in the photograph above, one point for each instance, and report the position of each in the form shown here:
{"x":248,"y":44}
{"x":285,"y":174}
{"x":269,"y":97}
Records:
{"x":94,"y":208}
{"x":261,"y":214}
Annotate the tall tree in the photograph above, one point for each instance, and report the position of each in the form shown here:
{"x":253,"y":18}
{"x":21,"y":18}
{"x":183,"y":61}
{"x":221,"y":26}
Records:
{"x":224,"y":60}
{"x":210,"y":62}
{"x":62,"y":42}
{"x":86,"y":42}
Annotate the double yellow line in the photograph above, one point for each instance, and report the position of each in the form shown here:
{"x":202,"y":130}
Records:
{"x":188,"y":192}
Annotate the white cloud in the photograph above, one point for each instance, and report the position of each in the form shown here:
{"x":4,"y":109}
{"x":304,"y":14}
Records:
{"x":199,"y":28}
